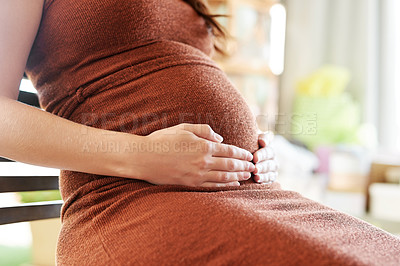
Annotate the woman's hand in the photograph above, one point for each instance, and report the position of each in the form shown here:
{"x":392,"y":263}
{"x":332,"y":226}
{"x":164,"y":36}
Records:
{"x":266,"y":167}
{"x":193,"y":155}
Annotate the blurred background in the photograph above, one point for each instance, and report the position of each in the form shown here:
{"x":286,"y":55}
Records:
{"x":323,"y":75}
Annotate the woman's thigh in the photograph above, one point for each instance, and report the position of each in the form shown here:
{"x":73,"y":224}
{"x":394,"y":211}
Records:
{"x":242,"y":227}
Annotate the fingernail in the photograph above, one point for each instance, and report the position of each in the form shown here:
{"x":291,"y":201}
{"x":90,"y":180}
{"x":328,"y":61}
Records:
{"x":247,"y":176}
{"x":219,"y":137}
{"x":249,"y":157}
{"x":252,"y":167}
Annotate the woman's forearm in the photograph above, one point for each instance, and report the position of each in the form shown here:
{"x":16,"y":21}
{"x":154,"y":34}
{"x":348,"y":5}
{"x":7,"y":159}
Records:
{"x":33,"y":136}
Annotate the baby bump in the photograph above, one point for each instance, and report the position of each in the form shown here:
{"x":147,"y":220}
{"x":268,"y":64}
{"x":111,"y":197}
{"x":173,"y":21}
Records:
{"x":179,"y":94}
{"x":162,"y":84}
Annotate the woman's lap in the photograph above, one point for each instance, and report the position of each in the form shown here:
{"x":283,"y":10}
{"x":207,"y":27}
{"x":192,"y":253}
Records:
{"x":224,"y":227}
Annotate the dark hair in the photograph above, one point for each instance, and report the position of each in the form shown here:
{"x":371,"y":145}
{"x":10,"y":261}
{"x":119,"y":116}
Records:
{"x":216,"y":28}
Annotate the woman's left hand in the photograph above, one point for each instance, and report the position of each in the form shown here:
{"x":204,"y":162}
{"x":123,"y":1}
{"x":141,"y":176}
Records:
{"x":266,"y":167}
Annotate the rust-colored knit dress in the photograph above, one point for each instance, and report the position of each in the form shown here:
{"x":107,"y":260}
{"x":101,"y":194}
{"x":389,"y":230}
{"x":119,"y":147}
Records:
{"x":142,"y":65}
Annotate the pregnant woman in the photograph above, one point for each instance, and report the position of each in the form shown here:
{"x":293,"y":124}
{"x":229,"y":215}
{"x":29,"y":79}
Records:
{"x":129,"y":89}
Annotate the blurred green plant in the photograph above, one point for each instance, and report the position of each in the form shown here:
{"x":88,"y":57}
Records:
{"x":37,"y":196}
{"x":15,"y":255}
{"x":323,"y":112}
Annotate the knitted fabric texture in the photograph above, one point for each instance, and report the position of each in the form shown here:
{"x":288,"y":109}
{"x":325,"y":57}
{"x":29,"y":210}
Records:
{"x":143,"y":65}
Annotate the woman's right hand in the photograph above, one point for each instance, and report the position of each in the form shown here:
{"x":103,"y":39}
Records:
{"x":193,"y":155}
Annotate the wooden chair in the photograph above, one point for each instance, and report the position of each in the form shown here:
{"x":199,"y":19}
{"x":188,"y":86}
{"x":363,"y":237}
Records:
{"x":28,"y":211}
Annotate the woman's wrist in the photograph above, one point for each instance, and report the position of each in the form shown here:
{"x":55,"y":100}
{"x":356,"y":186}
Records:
{"x":124,"y":155}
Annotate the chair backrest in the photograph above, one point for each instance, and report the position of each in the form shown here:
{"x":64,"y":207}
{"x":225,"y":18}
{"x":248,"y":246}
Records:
{"x":28,"y":211}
